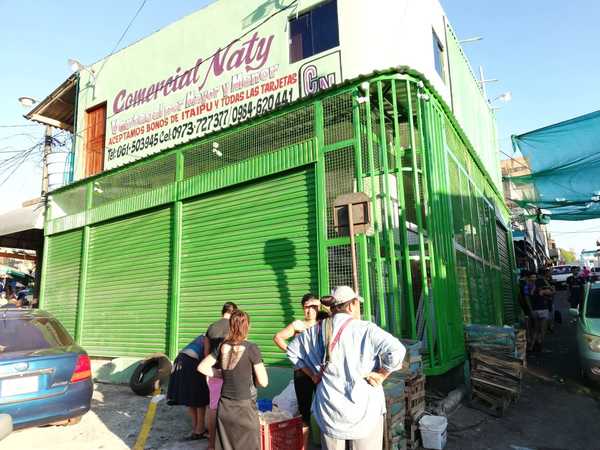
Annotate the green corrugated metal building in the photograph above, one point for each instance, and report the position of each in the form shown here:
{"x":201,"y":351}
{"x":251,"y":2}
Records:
{"x":139,"y":258}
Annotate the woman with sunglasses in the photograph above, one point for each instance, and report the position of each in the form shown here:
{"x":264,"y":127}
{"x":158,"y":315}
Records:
{"x":304,"y":380}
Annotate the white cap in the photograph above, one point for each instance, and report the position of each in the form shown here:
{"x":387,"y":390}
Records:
{"x":344,"y":294}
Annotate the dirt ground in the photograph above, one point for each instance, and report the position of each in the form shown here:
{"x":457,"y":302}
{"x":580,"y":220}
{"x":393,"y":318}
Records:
{"x":556,"y":410}
{"x":112,"y":424}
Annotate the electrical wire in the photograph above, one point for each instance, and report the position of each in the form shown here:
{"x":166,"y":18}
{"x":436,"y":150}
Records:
{"x":79,"y":133}
{"x":12,"y":136}
{"x":11,"y":164}
{"x":20,"y":125}
{"x":122,"y":36}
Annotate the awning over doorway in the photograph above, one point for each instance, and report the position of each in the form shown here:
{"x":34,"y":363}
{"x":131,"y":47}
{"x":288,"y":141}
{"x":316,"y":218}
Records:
{"x":22,"y":228}
{"x":564,"y":160}
{"x":58,"y":109}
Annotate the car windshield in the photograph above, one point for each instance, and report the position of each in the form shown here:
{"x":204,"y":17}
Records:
{"x":592,"y":309}
{"x":560,"y":270}
{"x":28,"y":333}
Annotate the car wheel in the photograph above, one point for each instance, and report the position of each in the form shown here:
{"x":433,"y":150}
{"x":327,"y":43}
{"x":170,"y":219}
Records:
{"x":149,"y":374}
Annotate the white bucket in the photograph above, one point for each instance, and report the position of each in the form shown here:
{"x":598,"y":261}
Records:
{"x":433,"y":432}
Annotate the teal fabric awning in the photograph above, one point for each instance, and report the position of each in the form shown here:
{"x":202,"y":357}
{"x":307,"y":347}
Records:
{"x":564,"y":159}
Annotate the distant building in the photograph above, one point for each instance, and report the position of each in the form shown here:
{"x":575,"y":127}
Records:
{"x":531,"y":239}
{"x":589,"y":258}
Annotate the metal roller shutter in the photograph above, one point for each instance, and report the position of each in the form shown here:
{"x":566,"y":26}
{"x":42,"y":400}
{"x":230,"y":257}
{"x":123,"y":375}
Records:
{"x":127,"y":288}
{"x":509,"y":315}
{"x":254,"y":245}
{"x":61,"y":287}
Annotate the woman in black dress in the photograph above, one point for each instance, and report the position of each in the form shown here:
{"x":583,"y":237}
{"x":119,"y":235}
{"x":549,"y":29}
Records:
{"x":188,"y":387}
{"x":241,"y":367}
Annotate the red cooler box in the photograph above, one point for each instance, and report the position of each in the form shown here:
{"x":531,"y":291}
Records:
{"x":283,"y":435}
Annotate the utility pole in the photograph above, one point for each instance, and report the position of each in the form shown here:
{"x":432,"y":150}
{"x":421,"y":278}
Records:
{"x":483,"y":81}
{"x":47,"y":151}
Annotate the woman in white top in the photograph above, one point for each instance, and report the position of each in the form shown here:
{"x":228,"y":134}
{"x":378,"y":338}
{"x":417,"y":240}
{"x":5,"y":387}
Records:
{"x":305,"y":380}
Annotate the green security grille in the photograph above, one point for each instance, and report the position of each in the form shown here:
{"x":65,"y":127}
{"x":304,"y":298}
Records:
{"x":127,"y":287}
{"x":510,"y":315}
{"x":62,"y":288}
{"x":254,"y":245}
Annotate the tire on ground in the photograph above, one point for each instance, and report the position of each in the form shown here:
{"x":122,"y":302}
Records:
{"x":154,"y":369}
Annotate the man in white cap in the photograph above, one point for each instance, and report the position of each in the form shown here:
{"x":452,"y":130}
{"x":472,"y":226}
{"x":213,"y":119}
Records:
{"x":349,"y":359}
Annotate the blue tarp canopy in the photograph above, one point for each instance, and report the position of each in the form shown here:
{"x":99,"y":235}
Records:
{"x":564,"y":159}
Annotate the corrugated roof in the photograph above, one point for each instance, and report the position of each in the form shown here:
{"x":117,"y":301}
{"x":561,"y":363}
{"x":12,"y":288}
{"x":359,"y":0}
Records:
{"x":58,"y":109}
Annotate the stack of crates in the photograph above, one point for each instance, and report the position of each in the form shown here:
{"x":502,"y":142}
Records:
{"x":414,"y":392}
{"x":497,"y":357}
{"x":415,"y":408}
{"x":405,"y":401}
{"x":395,"y":436}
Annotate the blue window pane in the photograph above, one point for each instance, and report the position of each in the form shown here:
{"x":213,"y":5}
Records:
{"x":300,"y":38}
{"x":325,"y":27}
{"x":438,"y":56}
{"x":314,"y":32}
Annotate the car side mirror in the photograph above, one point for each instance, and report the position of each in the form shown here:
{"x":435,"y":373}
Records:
{"x":574,"y":312}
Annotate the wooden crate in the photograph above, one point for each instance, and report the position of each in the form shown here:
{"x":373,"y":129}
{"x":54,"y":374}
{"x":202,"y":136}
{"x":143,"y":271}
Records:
{"x":415,"y":396}
{"x":394,"y":436}
{"x":413,"y":435}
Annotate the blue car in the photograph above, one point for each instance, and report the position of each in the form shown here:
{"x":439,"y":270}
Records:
{"x":588,"y":332}
{"x":44,"y":376}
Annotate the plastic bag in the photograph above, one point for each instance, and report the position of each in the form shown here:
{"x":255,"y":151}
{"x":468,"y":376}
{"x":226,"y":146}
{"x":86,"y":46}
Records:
{"x":286,"y":400}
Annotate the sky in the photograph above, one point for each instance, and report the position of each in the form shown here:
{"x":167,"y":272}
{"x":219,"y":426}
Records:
{"x":543,"y":51}
{"x":38,"y":37}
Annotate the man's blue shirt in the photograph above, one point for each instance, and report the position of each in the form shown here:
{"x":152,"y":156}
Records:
{"x":345,"y":406}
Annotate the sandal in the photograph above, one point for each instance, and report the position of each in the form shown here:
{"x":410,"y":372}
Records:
{"x":197,"y":436}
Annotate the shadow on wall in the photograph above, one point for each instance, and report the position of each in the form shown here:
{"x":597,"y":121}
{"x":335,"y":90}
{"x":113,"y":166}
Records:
{"x":280,"y":254}
{"x":263,"y":11}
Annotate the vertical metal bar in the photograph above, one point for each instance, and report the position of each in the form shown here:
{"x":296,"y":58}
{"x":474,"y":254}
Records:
{"x":458,"y":343}
{"x":430,"y":188}
{"x":420,"y":211}
{"x":175,"y":267}
{"x":513,"y":265}
{"x":481,"y":265}
{"x":84,"y":266}
{"x":43,"y":280}
{"x":389,"y":225}
{"x":406,"y":272}
{"x":376,"y":215}
{"x":321,"y":201}
{"x":68,"y":177}
{"x":353,"y":248}
{"x":417,"y":198}
{"x":440,"y":217}
{"x":361,"y":238}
